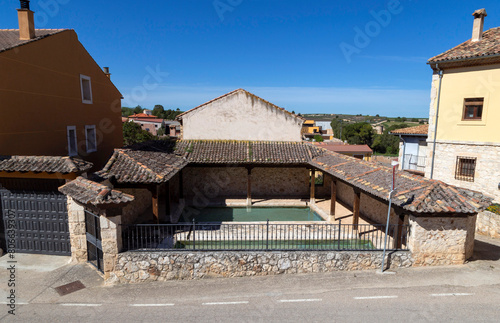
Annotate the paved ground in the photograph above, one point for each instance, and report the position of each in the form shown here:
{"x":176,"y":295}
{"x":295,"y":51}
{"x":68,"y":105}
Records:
{"x":460,"y":293}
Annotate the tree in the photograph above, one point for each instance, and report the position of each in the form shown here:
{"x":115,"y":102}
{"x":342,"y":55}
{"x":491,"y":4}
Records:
{"x":337,"y":125}
{"x":158,"y":111}
{"x":387,"y":143}
{"x":360,"y":133}
{"x":161,"y":131}
{"x":127,"y":111}
{"x":318,"y":138}
{"x":138,"y":109}
{"x":133,"y":133}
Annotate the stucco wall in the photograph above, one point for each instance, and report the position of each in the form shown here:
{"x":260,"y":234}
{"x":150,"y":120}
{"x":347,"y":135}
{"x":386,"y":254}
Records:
{"x":241,"y":116}
{"x":487,"y":174}
{"x":51,"y":100}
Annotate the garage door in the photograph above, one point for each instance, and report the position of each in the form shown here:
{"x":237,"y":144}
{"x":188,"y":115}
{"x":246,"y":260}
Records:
{"x":40,"y":216}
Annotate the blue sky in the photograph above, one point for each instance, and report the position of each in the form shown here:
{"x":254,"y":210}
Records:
{"x":306,"y":56}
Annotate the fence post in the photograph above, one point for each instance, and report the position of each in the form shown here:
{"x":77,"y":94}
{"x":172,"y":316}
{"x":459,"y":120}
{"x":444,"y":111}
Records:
{"x":267,"y":235}
{"x":194,"y":234}
{"x":338,"y":240}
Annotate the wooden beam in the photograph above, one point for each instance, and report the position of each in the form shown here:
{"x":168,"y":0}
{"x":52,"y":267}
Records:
{"x":333,"y":200}
{"x":249,"y":186}
{"x":313,"y":185}
{"x":355,"y":211}
{"x":398,"y":236}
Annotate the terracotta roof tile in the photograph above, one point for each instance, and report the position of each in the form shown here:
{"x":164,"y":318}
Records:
{"x":418,"y":130}
{"x":88,"y":192}
{"x":488,"y":46}
{"x":9,"y":38}
{"x":45,"y":164}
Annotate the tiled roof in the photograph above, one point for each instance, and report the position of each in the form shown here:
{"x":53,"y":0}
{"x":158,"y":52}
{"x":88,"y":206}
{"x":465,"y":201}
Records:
{"x":154,"y":163}
{"x":46,"y":164}
{"x":488,"y":46}
{"x":413,"y":193}
{"x":245,"y":152}
{"x":418,"y":130}
{"x":88,"y":192}
{"x":179,"y":117}
{"x":348,"y":148}
{"x":9,"y":38}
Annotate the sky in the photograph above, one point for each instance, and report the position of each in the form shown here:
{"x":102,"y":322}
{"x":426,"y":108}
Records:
{"x":316,"y":56}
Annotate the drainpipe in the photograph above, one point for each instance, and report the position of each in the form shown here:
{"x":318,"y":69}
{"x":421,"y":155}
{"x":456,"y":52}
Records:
{"x":441,"y":72}
{"x":404,"y":150}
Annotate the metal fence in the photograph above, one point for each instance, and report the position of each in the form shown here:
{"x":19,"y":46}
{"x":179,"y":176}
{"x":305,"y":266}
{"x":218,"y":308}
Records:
{"x":268,"y":236}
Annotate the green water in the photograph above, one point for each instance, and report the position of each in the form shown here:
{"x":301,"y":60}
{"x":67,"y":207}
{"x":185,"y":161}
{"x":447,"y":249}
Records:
{"x":277,"y":245}
{"x":254,"y":214}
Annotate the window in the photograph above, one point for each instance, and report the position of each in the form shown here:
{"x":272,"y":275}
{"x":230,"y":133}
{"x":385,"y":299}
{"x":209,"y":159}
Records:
{"x":359,"y":156}
{"x":90,"y":137}
{"x":466,"y":167}
{"x":72,"y":147}
{"x":473,"y":109}
{"x":86,"y":87}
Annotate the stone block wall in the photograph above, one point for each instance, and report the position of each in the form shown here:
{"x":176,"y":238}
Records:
{"x":376,"y":210}
{"x":142,"y":201}
{"x":438,"y":241}
{"x":280,"y":182}
{"x":488,"y":224}
{"x":135,"y":267}
{"x":487,"y":175}
{"x":111,"y":239}
{"x":345,"y":193}
{"x":78,"y":238}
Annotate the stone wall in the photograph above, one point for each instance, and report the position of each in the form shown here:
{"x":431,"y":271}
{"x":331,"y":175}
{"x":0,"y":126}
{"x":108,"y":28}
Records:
{"x":345,"y":193}
{"x":111,"y":239}
{"x":135,"y":267}
{"x":488,"y":224}
{"x":224,"y":182}
{"x":76,"y":224}
{"x":441,"y":241}
{"x":142,"y":201}
{"x":487,"y":175}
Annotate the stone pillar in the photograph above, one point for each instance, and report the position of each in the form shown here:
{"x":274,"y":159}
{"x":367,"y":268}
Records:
{"x":76,"y":224}
{"x":437,"y":241}
{"x":111,"y":239}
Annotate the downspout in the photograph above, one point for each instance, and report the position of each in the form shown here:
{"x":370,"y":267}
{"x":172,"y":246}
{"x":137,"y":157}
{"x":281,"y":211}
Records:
{"x":404,"y":151}
{"x":441,"y":72}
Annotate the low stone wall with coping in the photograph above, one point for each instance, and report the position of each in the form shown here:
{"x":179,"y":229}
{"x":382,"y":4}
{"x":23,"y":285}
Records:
{"x":138,"y":267}
{"x":488,"y":224}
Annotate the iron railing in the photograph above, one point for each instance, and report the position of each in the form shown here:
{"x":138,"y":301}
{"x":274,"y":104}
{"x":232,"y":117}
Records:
{"x":267,"y":236}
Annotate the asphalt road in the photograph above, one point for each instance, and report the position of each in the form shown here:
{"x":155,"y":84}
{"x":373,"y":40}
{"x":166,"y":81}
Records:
{"x":468,"y":293}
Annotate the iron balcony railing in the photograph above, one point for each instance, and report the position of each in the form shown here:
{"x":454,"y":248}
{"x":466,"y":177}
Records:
{"x":268,"y":236}
{"x":414,"y":162}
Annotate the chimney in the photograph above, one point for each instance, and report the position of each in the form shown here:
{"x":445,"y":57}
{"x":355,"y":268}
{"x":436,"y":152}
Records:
{"x":106,"y":72}
{"x":477,"y":31}
{"x":26,"y":21}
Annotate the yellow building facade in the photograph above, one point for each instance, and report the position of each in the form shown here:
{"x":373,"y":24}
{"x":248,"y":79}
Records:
{"x":464,"y":119}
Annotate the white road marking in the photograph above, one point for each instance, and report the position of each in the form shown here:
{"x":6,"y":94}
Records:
{"x":151,"y":305}
{"x":300,"y":300}
{"x":376,"y":297}
{"x":226,"y":303}
{"x":80,"y":304}
{"x":17,"y":303}
{"x":452,"y":294}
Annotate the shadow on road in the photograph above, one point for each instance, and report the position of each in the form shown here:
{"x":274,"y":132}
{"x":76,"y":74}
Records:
{"x":485,"y":251}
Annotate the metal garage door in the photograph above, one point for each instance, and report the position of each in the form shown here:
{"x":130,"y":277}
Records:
{"x":41,"y":217}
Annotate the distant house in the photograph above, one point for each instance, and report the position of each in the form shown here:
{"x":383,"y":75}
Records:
{"x":61,"y":115}
{"x":412,"y":148}
{"x":174,"y":128}
{"x":464,"y":104}
{"x":363,"y":152}
{"x":312,"y":128}
{"x":148,"y":122}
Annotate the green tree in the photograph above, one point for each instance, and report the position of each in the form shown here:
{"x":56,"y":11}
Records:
{"x":138,"y":109}
{"x":133,"y":133}
{"x":360,"y":133}
{"x":158,"y":111}
{"x":161,"y":131}
{"x":337,"y":125}
{"x":127,"y":111}
{"x":318,"y":138}
{"x":387,"y":143}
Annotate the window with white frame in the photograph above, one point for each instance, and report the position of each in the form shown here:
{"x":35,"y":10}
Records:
{"x":86,"y":87}
{"x":90,"y":138}
{"x":72,"y":142}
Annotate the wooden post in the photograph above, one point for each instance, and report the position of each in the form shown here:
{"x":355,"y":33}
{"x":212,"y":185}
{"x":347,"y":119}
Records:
{"x":155,"y":204}
{"x":398,"y":236}
{"x":313,"y":185}
{"x":355,"y":211}
{"x":333,"y":200}
{"x":249,"y":186}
